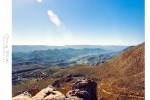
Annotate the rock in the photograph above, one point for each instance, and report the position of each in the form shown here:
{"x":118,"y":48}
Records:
{"x":49,"y":93}
{"x":56,"y":84}
{"x":55,"y":95}
{"x":65,"y":79}
{"x":33,"y":92}
{"x":79,"y":84}
{"x":84,"y":89}
{"x":78,"y":93}
{"x":23,"y":96}
{"x":68,"y":79}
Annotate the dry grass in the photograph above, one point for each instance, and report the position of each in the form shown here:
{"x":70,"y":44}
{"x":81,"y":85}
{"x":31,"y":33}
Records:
{"x":109,"y":91}
{"x":78,"y":70}
{"x":127,"y":69}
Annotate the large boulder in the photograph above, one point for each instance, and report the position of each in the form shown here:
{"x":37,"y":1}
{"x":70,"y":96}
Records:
{"x":84,"y":89}
{"x":23,"y":96}
{"x":49,"y":93}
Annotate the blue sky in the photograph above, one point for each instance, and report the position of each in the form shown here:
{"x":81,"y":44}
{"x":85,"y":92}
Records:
{"x":78,"y":22}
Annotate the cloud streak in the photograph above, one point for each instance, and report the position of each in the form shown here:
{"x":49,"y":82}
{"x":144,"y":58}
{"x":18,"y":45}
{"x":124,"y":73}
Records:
{"x":54,"y":18}
{"x":39,"y":0}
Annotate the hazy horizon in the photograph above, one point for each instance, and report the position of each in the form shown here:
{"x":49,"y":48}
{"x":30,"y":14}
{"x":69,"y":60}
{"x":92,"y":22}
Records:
{"x":76,"y":22}
{"x":73,"y":45}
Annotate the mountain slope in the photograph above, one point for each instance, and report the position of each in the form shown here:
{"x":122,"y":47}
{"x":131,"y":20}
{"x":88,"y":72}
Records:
{"x":126,"y":70}
{"x":99,"y":59}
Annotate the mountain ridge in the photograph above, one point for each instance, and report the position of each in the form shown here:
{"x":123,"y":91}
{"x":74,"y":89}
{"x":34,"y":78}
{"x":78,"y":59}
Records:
{"x":28,"y":48}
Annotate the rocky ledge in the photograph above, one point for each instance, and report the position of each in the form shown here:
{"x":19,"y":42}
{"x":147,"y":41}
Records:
{"x":83,"y":89}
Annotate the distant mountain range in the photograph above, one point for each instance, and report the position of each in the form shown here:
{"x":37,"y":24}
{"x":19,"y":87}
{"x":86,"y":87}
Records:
{"x":28,"y":48}
{"x":64,"y":57}
{"x":58,"y":57}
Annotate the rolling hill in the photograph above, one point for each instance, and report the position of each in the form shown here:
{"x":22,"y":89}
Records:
{"x":127,"y":69}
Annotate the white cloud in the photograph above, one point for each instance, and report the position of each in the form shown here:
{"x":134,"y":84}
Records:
{"x":54,"y":18}
{"x":39,"y":0}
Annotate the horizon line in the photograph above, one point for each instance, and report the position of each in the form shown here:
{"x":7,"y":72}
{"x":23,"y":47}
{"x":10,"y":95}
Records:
{"x":67,"y":45}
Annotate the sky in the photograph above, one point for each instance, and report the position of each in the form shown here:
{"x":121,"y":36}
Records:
{"x":78,"y":22}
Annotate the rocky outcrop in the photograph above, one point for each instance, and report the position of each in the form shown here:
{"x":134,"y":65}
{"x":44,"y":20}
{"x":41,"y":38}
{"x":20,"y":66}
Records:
{"x":49,"y":93}
{"x":82,"y":89}
{"x":23,"y":96}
